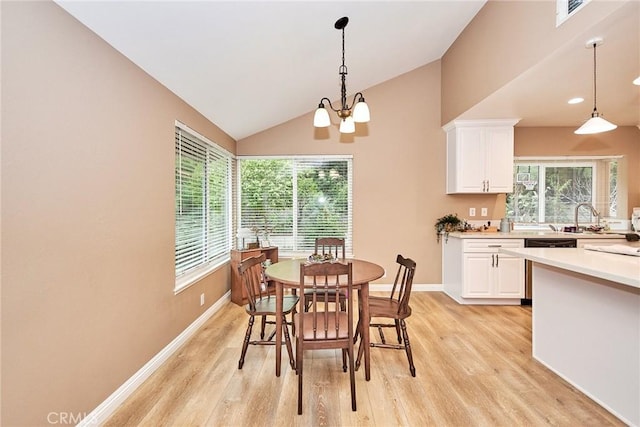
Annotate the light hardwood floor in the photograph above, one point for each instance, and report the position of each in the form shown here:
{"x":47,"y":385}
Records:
{"x":473,"y":364}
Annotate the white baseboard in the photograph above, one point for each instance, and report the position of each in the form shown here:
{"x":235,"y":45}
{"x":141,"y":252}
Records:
{"x":380,"y":287}
{"x":101,"y":413}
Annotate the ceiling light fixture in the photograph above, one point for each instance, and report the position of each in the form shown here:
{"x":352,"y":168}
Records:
{"x":637,"y":81}
{"x":577,"y":100}
{"x":596,"y":123}
{"x":357,"y":112}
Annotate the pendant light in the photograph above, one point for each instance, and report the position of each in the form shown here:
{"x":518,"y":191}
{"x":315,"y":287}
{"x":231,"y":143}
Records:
{"x":596,"y":123}
{"x":357,"y":112}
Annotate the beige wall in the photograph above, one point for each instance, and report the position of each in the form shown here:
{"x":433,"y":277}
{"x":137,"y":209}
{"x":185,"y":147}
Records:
{"x":87,"y":216}
{"x":487,"y":56}
{"x":398,"y":170}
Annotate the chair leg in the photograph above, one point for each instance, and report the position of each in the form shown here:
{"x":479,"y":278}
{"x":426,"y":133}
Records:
{"x":382,"y":339}
{"x":287,"y":341}
{"x":293,"y":324}
{"x":299,"y":371}
{"x":352,"y":377}
{"x":298,"y":355}
{"x":245,"y":343}
{"x":398,"y":331}
{"x":407,"y":347}
{"x":344,"y":360}
{"x":357,"y":332}
{"x":264,"y":323}
{"x":360,"y":353}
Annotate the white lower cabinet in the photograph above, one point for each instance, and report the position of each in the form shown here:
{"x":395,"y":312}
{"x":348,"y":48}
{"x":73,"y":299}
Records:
{"x":475,"y":272}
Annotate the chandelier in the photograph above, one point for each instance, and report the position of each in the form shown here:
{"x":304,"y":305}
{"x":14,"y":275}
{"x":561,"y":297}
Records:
{"x":357,"y":112}
{"x":596,"y":123}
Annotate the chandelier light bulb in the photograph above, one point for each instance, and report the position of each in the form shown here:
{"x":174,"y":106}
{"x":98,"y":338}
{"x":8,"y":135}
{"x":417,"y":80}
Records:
{"x":361,"y":112}
{"x":321,"y":118}
{"x":347,"y":125}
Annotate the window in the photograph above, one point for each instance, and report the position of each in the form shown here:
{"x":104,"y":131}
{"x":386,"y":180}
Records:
{"x":292,"y":200}
{"x":566,"y":8}
{"x":203,"y":183}
{"x":547,"y":191}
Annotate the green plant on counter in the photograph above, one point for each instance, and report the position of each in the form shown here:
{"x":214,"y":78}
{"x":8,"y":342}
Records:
{"x":447,"y":224}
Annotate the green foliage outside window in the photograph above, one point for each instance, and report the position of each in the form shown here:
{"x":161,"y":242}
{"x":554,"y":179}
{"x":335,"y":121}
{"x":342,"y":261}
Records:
{"x":292,"y":201}
{"x":548,"y":191}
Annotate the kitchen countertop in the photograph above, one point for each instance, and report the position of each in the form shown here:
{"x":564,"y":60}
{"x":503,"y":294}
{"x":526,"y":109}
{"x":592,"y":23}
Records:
{"x":624,"y":269}
{"x":536,"y":234}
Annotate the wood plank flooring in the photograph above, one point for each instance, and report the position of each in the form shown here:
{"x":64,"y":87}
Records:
{"x":473,"y":364}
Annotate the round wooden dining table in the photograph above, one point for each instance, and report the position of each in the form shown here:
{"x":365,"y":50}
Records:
{"x":286,"y":274}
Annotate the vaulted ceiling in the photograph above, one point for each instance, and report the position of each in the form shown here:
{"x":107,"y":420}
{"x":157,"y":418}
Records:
{"x":251,"y":65}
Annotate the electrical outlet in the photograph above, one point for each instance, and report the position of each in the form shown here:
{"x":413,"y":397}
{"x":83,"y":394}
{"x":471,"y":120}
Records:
{"x":483,"y":212}
{"x":472,"y":211}
{"x":201,"y":300}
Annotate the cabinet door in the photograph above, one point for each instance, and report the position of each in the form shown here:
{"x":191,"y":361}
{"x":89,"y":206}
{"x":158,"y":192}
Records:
{"x":470,"y":166}
{"x":478,"y":272}
{"x":509,"y":276}
{"x":499,"y":159}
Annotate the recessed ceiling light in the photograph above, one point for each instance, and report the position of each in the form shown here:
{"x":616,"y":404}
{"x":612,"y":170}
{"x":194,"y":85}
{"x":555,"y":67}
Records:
{"x":637,"y":81}
{"x":575,"y":100}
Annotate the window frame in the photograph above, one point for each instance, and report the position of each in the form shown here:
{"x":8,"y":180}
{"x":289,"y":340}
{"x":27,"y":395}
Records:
{"x":600,"y":185}
{"x":297,"y":161}
{"x":562,"y":10}
{"x":221,"y":254}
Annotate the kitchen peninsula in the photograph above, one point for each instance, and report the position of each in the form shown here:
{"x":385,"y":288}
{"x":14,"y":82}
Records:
{"x":586,"y":322}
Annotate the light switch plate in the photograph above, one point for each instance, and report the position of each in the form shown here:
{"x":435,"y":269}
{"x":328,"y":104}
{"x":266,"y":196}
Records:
{"x":483,"y":212}
{"x":472,"y":211}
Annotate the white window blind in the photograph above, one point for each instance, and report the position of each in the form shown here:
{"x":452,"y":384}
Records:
{"x":203,"y":191}
{"x":290,"y":201}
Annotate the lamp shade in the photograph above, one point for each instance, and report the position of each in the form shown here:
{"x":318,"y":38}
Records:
{"x":347,"y":125}
{"x":321,"y":118}
{"x":361,"y":112}
{"x":595,"y":124}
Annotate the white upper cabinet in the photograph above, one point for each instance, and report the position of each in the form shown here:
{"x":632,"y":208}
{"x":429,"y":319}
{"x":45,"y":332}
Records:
{"x":480,"y":156}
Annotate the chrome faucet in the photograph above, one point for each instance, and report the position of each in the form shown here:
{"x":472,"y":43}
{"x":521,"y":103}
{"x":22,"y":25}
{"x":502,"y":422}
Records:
{"x":594,"y":212}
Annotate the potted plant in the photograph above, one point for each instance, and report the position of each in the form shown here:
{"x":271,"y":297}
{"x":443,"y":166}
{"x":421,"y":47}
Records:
{"x":447,"y":224}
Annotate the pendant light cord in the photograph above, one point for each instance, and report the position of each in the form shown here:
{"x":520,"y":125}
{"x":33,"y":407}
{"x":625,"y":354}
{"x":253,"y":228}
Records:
{"x":594,"y":78}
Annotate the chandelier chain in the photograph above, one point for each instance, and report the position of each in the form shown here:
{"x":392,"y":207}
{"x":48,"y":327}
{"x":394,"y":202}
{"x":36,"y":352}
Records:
{"x":343,"y":78}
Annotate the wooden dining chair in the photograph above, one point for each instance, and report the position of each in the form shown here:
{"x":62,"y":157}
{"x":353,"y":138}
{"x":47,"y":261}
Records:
{"x":325,"y":326}
{"x":393,"y":307}
{"x":336,"y":247}
{"x":263,"y":304}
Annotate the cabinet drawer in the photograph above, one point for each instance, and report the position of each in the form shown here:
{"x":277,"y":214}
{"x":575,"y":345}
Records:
{"x":491,"y":245}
